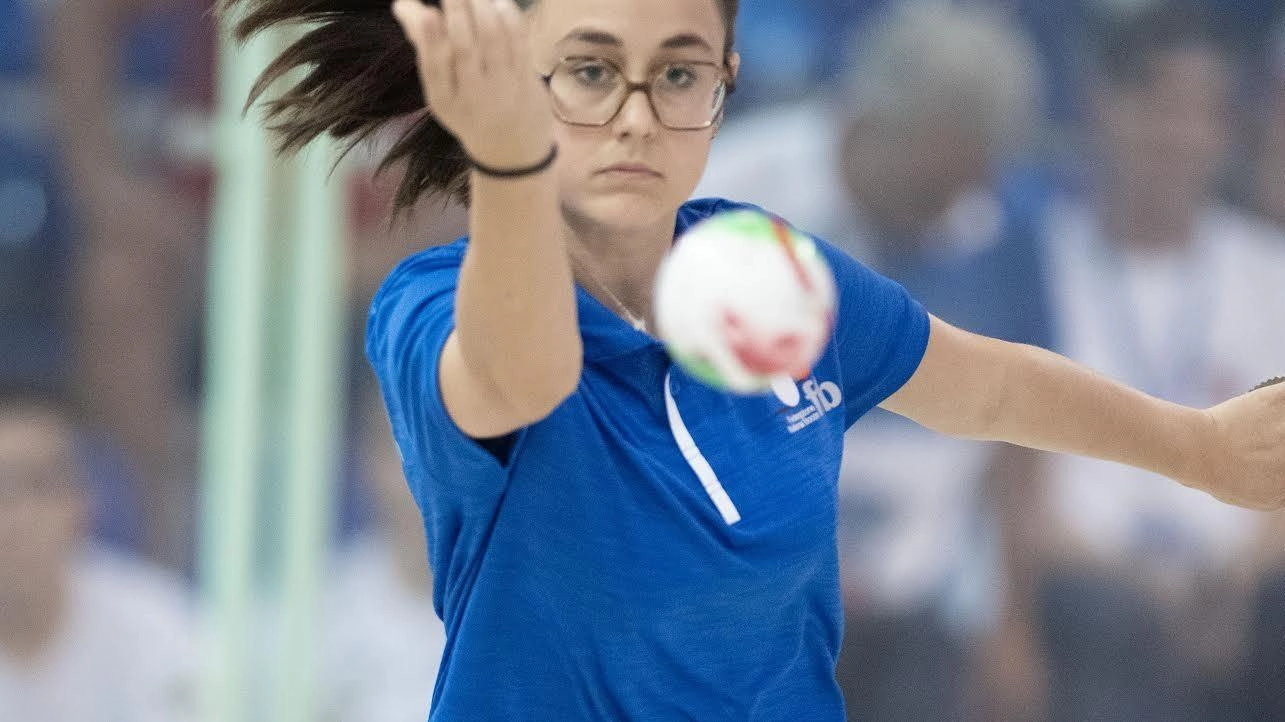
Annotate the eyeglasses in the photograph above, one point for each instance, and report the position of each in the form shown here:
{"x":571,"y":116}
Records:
{"x":591,"y":91}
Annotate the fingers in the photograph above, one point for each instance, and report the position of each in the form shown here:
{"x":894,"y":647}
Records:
{"x":463,"y":39}
{"x":467,"y":38}
{"x":476,"y":70}
{"x":514,"y":28}
{"x":425,"y":29}
{"x":491,"y":40}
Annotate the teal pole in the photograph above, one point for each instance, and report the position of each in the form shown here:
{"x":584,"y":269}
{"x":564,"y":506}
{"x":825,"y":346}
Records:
{"x":231,"y":452}
{"x":314,"y":371}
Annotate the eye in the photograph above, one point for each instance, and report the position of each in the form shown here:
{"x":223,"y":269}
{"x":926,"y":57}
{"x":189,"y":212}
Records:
{"x":594,"y":73}
{"x":679,"y":77}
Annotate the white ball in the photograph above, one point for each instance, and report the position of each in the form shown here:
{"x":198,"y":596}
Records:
{"x":743,"y":300}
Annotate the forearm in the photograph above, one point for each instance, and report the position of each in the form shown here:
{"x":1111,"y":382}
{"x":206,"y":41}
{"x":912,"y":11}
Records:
{"x":515,"y":305}
{"x":982,"y":388}
{"x":1046,"y":401}
{"x":977,"y":387}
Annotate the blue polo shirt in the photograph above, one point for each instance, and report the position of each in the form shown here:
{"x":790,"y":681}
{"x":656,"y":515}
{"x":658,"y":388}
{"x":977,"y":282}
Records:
{"x":582,"y":571}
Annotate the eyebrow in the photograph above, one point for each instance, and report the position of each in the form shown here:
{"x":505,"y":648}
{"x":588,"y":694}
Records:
{"x":600,"y":37}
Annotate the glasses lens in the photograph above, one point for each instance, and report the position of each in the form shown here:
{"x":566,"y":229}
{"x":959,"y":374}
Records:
{"x":688,"y":95}
{"x":587,"y":90}
{"x":591,"y":91}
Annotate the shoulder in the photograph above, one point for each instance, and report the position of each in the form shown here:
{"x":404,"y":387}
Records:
{"x":698,"y":209}
{"x":425,"y":278}
{"x":431,"y":264}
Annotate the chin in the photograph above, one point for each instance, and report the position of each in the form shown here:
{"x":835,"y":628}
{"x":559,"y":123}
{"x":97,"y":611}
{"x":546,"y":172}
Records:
{"x":623,"y":210}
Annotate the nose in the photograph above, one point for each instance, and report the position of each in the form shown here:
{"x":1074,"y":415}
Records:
{"x":636,"y":116}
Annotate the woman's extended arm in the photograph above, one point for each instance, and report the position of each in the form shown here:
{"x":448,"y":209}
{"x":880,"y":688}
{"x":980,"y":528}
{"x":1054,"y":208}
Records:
{"x":515,"y":353}
{"x":982,"y":388}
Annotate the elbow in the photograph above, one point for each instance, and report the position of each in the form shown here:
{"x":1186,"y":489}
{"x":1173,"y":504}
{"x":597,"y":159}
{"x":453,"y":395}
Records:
{"x":534,"y":388}
{"x":558,"y":386}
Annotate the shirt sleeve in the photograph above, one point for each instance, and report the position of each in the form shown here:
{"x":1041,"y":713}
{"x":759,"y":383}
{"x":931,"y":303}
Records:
{"x":881,"y":333}
{"x":451,"y":475}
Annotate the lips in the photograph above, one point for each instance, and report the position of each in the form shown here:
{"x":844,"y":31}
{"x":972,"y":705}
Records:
{"x":634,"y":168}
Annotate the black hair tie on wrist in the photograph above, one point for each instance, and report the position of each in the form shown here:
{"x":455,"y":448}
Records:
{"x":516,"y":172}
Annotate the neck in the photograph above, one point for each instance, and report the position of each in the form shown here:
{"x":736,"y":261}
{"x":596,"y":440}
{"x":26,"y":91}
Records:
{"x":619,"y":268}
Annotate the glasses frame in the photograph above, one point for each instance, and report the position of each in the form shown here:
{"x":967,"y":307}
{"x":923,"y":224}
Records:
{"x":631,"y":87}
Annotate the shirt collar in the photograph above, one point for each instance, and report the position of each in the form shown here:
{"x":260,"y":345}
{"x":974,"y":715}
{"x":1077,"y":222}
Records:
{"x":607,"y":335}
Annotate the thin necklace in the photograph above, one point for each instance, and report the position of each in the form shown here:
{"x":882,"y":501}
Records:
{"x":621,"y":309}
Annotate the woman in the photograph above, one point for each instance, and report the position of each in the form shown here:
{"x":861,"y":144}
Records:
{"x":586,"y":568}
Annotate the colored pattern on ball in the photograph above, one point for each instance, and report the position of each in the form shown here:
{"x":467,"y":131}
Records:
{"x":744,"y":298}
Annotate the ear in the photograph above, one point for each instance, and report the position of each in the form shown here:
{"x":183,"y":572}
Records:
{"x":733,"y":69}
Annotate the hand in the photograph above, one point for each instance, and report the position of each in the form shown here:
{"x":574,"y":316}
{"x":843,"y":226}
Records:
{"x":1245,"y":450}
{"x":475,"y":68}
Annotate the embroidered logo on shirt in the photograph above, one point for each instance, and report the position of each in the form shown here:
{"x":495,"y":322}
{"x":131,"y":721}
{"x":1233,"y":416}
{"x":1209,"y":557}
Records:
{"x":822,"y":397}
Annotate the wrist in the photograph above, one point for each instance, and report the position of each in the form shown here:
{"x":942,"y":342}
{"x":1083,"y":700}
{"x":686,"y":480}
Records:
{"x":519,"y":150}
{"x":1198,"y":468}
{"x":515,"y":171}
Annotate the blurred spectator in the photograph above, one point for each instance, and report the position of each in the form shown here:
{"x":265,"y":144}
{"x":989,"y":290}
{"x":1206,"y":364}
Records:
{"x":34,"y":218}
{"x":384,"y":639}
{"x":1266,"y":676}
{"x":903,"y":165}
{"x":1147,"y":586}
{"x":1266,"y":673}
{"x":34,"y":263}
{"x":86,"y":635}
{"x":794,"y":48}
{"x":116,"y":73}
{"x":1267,"y":194}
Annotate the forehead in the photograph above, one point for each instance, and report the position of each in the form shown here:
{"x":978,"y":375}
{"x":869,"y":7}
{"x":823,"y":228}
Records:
{"x":642,"y":26}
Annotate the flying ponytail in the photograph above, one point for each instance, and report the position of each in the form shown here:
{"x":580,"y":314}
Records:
{"x":358,"y":76}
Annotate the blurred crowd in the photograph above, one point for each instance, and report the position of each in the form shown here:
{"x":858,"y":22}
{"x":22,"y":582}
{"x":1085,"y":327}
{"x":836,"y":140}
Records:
{"x":1105,"y":178}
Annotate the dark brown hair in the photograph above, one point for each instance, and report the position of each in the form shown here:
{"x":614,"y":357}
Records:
{"x":360,"y":76}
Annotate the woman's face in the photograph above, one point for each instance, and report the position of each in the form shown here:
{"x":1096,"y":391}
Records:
{"x":633,"y":172}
